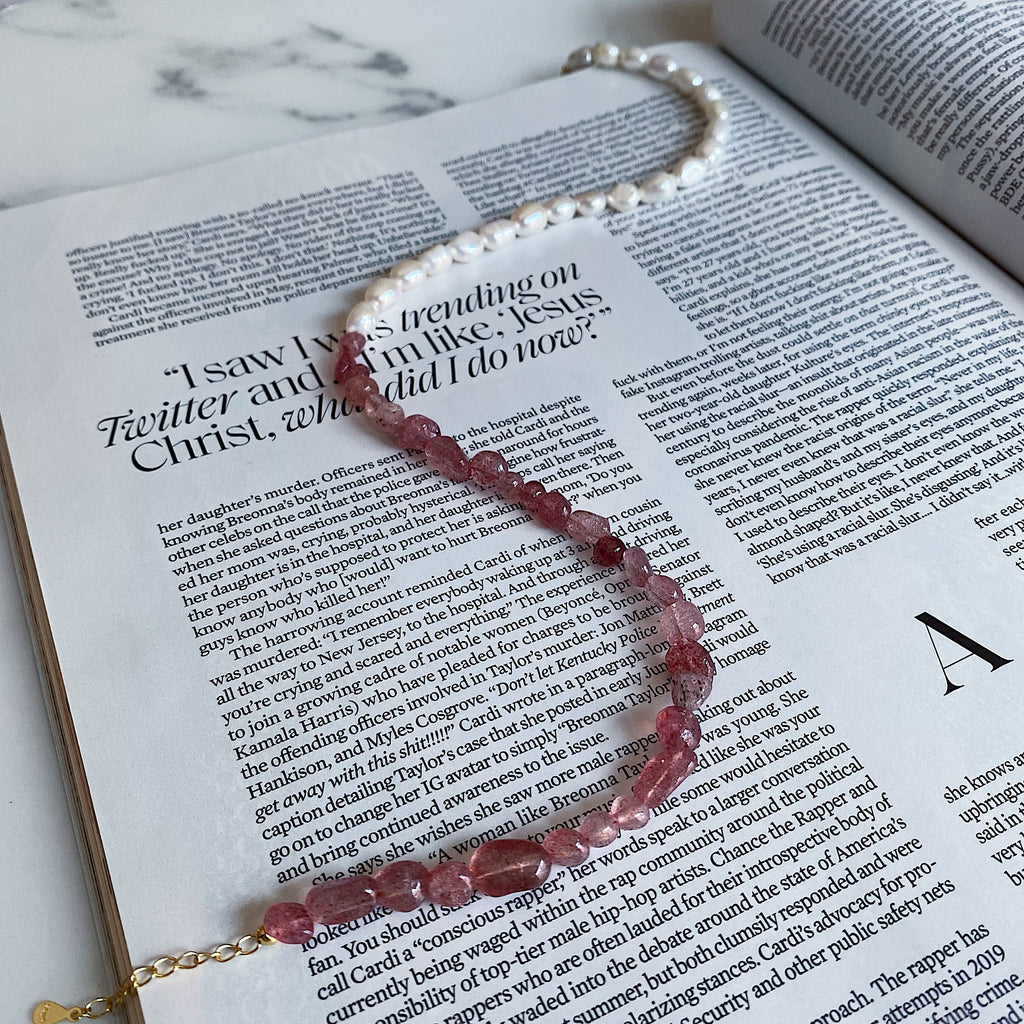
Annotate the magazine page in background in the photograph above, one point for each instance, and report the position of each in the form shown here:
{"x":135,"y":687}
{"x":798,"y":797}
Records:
{"x":928,"y":91}
{"x":323,"y":658}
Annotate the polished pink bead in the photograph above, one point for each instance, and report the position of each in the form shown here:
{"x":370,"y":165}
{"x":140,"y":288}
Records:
{"x":663,"y":774}
{"x":663,"y":590}
{"x":352,"y":341}
{"x":529,"y":494}
{"x":487,"y":468}
{"x":553,"y":510}
{"x":358,"y":389}
{"x":637,"y":565}
{"x":587,"y":527}
{"x":344,"y":374}
{"x":288,"y":922}
{"x":599,"y":828}
{"x":388,"y":417}
{"x":417,"y":430}
{"x":450,"y":885}
{"x":690,"y":691}
{"x":681,"y":620}
{"x":504,"y":866}
{"x":629,"y":812}
{"x":566,"y":847}
{"x":341,"y":899}
{"x":401,"y":885}
{"x":446,"y":456}
{"x":608,"y":551}
{"x":690,"y":671}
{"x":677,"y":727}
{"x":509,"y":486}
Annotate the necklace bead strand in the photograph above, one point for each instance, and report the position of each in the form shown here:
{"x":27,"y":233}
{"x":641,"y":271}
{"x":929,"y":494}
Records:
{"x":504,"y":866}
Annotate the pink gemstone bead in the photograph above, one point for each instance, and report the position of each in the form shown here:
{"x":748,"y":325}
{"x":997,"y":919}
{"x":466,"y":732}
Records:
{"x":553,"y":510}
{"x":487,"y":468}
{"x":388,"y":417}
{"x":663,"y":590}
{"x":417,"y":430}
{"x":401,"y":885}
{"x":663,"y":774}
{"x":504,"y":866}
{"x":529,"y":494}
{"x":599,"y":828}
{"x":509,"y":486}
{"x":587,"y":527}
{"x":608,"y":551}
{"x":344,"y":374}
{"x":638,"y":566}
{"x":450,"y":885}
{"x":288,"y":922}
{"x":681,"y":620}
{"x":341,"y":899}
{"x":444,"y":454}
{"x":690,"y":691}
{"x":677,"y":728}
{"x":629,"y":812}
{"x":691,"y":671}
{"x":352,"y":341}
{"x":566,"y":847}
{"x":358,"y":389}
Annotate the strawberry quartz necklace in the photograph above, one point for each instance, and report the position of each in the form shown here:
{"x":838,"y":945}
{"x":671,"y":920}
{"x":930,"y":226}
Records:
{"x":501,"y":867}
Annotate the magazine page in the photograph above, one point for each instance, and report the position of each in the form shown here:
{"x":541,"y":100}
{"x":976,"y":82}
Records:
{"x":928,"y":91}
{"x":293,"y":653}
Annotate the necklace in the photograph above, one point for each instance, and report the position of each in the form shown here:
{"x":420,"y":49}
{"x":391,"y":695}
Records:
{"x":501,"y":867}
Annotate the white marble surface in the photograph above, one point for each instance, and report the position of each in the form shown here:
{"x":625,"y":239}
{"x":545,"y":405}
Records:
{"x":100,"y":92}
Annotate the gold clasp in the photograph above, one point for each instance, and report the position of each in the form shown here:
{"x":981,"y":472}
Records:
{"x":49,"y":1012}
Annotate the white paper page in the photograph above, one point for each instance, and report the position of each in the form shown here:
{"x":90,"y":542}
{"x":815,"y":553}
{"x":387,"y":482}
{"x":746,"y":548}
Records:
{"x":928,"y":92}
{"x":664,"y":369}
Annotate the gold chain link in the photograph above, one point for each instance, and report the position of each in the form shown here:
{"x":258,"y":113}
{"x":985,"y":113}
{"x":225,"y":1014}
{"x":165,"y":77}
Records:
{"x":163,"y":967}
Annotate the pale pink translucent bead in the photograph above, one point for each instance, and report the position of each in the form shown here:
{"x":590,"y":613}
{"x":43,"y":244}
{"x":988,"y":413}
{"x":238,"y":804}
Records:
{"x":681,"y":620}
{"x":529,"y":494}
{"x":444,"y":454}
{"x":504,"y":866}
{"x":663,"y":590}
{"x":677,"y":727}
{"x":690,"y":671}
{"x":587,"y":527}
{"x":288,"y":922}
{"x":345,"y":374}
{"x":341,"y":899}
{"x":553,"y":510}
{"x":400,"y":885}
{"x":630,"y":813}
{"x":358,"y":389}
{"x":566,"y":847}
{"x":353,"y":342}
{"x":509,"y":486}
{"x":417,"y":430}
{"x":663,"y":774}
{"x":487,"y":468}
{"x":599,"y":828}
{"x":449,"y":885}
{"x":387,"y":416}
{"x":637,"y":565}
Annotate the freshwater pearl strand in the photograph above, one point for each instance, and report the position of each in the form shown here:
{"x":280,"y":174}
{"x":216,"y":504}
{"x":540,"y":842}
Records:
{"x":504,"y":866}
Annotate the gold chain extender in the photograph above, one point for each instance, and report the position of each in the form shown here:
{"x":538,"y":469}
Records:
{"x":49,"y":1012}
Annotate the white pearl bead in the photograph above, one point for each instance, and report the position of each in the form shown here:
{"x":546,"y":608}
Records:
{"x":578,"y":59}
{"x":718,"y":130}
{"x":435,"y":259}
{"x":362,"y":318}
{"x":633,"y":58}
{"x":686,"y":80}
{"x":710,"y":151}
{"x":466,"y":246}
{"x":660,"y":67}
{"x":409,"y":274}
{"x":690,"y":170}
{"x":708,"y":93}
{"x":496,"y":234}
{"x":382,"y":292}
{"x":658,"y":187}
{"x":560,"y":209}
{"x":606,"y":55}
{"x":624,"y":197}
{"x":590,"y":204}
{"x":718,"y":111}
{"x":530,"y":219}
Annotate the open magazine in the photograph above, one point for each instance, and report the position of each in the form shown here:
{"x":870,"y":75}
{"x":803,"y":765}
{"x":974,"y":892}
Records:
{"x":279,"y":651}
